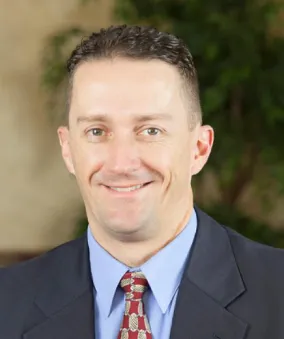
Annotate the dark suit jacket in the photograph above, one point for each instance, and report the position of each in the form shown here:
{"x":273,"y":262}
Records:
{"x":232,"y":288}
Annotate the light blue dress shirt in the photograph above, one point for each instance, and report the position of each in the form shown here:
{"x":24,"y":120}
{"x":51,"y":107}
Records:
{"x":163,"y":272}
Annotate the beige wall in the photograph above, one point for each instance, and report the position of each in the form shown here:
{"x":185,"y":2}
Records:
{"x":39,"y":202}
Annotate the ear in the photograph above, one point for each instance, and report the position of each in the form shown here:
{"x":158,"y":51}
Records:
{"x":203,"y":147}
{"x":64,"y":139}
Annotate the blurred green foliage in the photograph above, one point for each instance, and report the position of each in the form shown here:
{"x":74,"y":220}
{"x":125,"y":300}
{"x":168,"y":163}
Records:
{"x":54,"y":79}
{"x":253,"y":229}
{"x":55,"y":56}
{"x":240,"y":65}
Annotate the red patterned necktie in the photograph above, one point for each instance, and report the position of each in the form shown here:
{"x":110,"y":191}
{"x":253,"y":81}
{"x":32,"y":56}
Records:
{"x":135,"y":324}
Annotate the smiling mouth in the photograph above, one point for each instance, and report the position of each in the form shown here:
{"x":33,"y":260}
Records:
{"x":129,"y":188}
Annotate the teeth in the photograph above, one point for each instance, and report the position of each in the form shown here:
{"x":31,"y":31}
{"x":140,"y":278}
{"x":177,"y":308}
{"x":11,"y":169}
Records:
{"x":126,"y":189}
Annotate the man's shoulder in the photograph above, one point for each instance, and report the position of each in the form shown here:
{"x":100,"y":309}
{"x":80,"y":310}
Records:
{"x":245,"y":245}
{"x":45,"y":276}
{"x":24,"y":276}
{"x":258,"y":264}
{"x":257,"y":259}
{"x":242,"y":246}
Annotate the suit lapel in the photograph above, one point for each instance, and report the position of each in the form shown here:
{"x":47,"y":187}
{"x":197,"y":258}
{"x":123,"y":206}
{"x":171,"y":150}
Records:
{"x":63,"y":305}
{"x":210,"y":283}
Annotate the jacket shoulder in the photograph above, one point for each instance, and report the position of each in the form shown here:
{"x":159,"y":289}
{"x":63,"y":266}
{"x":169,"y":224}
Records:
{"x":19,"y":281}
{"x":257,"y":260}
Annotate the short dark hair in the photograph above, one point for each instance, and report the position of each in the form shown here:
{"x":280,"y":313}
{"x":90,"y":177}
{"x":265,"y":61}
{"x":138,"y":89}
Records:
{"x":138,"y":43}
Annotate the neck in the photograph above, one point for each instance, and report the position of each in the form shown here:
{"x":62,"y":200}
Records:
{"x":135,"y":254}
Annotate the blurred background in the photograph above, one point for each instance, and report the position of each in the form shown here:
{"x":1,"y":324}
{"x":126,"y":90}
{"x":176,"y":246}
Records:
{"x":238,"y":47}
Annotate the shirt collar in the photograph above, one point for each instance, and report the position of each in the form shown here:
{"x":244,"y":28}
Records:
{"x":106,"y":273}
{"x":162,"y":267}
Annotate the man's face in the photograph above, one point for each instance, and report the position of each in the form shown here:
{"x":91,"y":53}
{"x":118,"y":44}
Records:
{"x":130,"y":146}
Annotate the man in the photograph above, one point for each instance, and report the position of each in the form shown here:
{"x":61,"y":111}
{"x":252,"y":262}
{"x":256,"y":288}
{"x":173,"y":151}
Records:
{"x":151,"y":264}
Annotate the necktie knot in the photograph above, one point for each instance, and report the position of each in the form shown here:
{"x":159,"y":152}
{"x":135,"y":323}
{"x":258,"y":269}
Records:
{"x":134,"y":285}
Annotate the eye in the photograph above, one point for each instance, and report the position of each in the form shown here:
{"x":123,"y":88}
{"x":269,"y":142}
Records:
{"x":96,"y":132}
{"x":152,"y":131}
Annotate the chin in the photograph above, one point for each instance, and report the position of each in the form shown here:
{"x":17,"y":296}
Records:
{"x":124,"y":223}
{"x":126,"y":228}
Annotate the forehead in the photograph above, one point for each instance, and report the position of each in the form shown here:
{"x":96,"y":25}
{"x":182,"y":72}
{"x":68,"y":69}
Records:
{"x":123,"y":85}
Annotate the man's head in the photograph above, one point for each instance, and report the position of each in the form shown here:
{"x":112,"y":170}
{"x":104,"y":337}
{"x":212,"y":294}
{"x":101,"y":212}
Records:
{"x":134,"y":137}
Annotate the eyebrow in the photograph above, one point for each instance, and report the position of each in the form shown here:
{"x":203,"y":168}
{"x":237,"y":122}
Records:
{"x":140,"y":118}
{"x":154,"y":116}
{"x":92,"y":118}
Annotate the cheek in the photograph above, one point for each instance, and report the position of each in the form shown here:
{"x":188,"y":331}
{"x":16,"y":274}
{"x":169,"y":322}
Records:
{"x":159,"y":157}
{"x":181,"y":165}
{"x":87,"y":161}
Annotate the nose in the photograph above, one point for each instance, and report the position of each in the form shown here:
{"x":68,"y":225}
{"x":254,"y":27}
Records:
{"x":123,"y":156}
